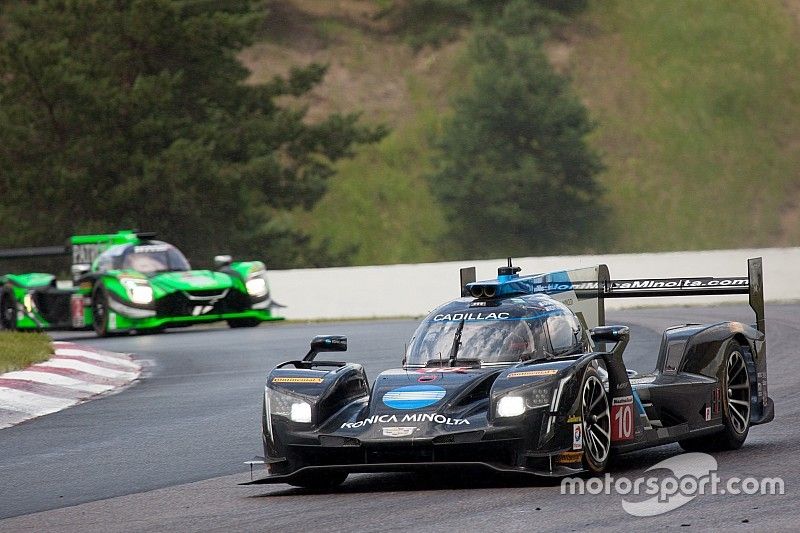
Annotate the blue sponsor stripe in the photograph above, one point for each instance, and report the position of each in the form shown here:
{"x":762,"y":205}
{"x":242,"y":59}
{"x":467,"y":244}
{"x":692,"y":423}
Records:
{"x":413,"y":396}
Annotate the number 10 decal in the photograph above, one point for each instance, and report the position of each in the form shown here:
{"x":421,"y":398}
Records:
{"x":622,"y":418}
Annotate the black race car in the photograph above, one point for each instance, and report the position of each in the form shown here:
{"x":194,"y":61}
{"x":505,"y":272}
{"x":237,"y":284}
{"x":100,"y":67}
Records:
{"x":520,"y":374}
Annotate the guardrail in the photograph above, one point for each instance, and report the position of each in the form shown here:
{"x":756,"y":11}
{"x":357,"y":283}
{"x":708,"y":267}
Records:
{"x":414,"y":290}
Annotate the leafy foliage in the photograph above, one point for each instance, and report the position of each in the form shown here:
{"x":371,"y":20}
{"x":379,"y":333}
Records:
{"x":516,"y":174}
{"x":135,"y":113}
{"x":431,"y":22}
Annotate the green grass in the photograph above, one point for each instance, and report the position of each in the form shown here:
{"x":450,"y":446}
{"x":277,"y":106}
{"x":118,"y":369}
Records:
{"x":698,"y":106}
{"x":19,"y":350}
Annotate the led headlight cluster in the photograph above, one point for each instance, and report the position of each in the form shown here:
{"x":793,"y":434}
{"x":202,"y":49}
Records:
{"x":257,"y":284}
{"x":517,"y":402}
{"x":139,"y":290}
{"x":287,"y":405}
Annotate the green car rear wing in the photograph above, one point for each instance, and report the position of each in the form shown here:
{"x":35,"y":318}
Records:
{"x":83,"y":249}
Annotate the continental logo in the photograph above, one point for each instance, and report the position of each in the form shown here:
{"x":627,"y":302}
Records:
{"x":529,"y":373}
{"x":569,"y":457}
{"x":296,"y":379}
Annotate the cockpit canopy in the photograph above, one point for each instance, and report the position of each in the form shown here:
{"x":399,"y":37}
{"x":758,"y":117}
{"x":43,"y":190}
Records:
{"x":495,"y":332}
{"x":148,"y":258}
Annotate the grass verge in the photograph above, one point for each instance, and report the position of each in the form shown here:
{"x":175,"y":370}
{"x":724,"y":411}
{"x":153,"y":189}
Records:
{"x":19,"y":350}
{"x":698,"y":111}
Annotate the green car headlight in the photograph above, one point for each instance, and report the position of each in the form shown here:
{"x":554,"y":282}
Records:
{"x":139,"y":290}
{"x":257,"y":284}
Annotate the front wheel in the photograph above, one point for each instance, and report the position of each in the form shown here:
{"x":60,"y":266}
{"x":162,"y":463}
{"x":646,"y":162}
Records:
{"x":8,"y":311}
{"x":596,"y":422}
{"x":243,"y":322}
{"x":100,"y":311}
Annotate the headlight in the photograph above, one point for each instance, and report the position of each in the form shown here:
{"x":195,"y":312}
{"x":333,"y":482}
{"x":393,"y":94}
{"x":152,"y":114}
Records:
{"x":511,"y":406}
{"x":301,"y":412}
{"x":288,"y":406}
{"x":139,"y":290}
{"x":257,"y":284}
{"x":516,"y":403}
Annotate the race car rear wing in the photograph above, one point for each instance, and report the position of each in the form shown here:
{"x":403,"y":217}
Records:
{"x":41,"y":251}
{"x":83,"y":249}
{"x":585,"y":290}
{"x":752,"y":285}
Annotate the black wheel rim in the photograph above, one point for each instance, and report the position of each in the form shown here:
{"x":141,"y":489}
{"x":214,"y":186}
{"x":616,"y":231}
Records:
{"x":596,"y":420}
{"x":738,"y":392}
{"x":99,"y":312}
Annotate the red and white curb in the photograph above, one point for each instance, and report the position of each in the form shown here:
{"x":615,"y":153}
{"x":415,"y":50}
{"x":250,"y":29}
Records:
{"x":73,"y":375}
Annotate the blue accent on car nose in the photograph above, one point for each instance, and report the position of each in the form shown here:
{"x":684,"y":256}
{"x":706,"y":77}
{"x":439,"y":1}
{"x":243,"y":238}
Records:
{"x":413,"y":396}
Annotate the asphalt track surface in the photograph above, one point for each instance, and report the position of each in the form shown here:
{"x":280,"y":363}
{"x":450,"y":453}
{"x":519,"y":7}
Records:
{"x":167,"y":452}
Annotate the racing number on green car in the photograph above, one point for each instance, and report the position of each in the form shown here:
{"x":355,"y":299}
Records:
{"x":622,"y":418}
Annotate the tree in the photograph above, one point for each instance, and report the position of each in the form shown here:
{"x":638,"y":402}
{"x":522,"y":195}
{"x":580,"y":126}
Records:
{"x":135,"y":113}
{"x":431,"y":22}
{"x":516,"y":175}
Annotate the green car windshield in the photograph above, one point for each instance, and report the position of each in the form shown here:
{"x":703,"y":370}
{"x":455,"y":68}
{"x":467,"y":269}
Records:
{"x":145,"y":258}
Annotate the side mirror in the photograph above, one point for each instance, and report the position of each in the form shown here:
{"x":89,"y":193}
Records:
{"x":221,"y":261}
{"x":326,"y":343}
{"x":610,"y":333}
{"x":80,"y":270}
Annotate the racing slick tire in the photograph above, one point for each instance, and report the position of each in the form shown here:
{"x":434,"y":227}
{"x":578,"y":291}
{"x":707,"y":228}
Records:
{"x":320,"y":480}
{"x":735,"y":408}
{"x":100,"y":311}
{"x":595,"y":421}
{"x":8,"y":310}
{"x":243,"y":322}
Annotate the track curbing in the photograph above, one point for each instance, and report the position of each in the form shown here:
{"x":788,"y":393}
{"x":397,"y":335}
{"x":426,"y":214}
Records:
{"x":75,"y":374}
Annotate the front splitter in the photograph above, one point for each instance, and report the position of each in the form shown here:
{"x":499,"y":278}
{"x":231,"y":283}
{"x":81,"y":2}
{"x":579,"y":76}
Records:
{"x":556,"y":472}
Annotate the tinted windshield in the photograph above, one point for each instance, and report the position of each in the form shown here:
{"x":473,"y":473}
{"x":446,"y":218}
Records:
{"x":529,"y":327}
{"x":490,"y":341}
{"x":145,"y":258}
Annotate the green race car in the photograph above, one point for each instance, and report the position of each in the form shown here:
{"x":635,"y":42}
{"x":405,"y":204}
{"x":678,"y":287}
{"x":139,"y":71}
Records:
{"x":128,"y":281}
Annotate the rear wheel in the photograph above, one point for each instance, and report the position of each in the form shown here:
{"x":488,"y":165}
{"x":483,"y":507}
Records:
{"x":8,"y":311}
{"x":243,"y":322}
{"x":596,"y":422}
{"x":736,"y":409}
{"x":320,"y":480}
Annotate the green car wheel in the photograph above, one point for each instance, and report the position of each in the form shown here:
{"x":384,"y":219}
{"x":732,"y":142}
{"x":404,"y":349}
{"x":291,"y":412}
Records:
{"x":100,"y":311}
{"x":8,"y":311}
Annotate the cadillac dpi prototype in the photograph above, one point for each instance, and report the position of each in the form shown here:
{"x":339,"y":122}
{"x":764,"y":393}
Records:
{"x":521,"y":374}
{"x":127,"y":281}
